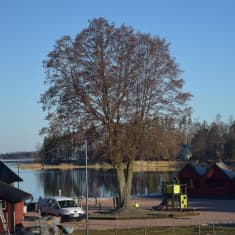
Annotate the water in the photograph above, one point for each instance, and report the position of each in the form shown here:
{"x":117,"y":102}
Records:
{"x":101,"y":183}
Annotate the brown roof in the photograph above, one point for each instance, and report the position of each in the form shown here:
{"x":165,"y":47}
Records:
{"x":7,"y":175}
{"x":12,"y":194}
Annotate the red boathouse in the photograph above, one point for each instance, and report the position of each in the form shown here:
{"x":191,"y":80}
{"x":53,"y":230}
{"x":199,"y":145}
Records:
{"x":216,"y":181}
{"x":219,"y":179}
{"x":192,"y":176}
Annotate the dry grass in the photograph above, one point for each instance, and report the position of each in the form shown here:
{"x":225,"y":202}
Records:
{"x":63,"y":166}
{"x":188,"y":230}
{"x":138,"y":166}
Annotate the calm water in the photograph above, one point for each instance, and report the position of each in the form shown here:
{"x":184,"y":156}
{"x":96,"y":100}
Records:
{"x":101,"y":183}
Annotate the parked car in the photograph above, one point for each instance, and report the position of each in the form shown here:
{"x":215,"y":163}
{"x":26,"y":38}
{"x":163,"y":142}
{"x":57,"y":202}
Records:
{"x":65,"y":207}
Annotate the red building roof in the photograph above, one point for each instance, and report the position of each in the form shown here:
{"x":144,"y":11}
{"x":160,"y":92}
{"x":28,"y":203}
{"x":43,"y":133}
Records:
{"x":12,"y":194}
{"x":226,"y":170}
{"x":7,"y":175}
{"x":193,"y":168}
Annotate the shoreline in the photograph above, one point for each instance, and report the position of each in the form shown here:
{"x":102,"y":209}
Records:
{"x":138,"y":166}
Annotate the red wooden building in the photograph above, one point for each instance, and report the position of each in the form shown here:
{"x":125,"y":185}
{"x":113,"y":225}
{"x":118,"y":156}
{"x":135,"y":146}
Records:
{"x":216,"y":181}
{"x":219,"y":181}
{"x":12,"y":207}
{"x":11,"y":200}
{"x":192,"y":175}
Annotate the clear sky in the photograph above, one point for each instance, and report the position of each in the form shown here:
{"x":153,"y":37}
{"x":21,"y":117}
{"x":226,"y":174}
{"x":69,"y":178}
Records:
{"x":201,"y":34}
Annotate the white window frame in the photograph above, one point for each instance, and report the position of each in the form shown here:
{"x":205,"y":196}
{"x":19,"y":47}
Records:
{"x":4,"y":204}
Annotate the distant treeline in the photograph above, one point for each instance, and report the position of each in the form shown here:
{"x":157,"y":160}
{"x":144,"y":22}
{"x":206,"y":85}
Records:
{"x":19,"y":155}
{"x":200,"y":141}
{"x":215,"y":141}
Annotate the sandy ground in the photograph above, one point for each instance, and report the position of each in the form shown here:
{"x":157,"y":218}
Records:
{"x":210,"y":211}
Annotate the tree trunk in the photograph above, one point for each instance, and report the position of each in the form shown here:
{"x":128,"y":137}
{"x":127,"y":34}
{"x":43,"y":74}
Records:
{"x":121,"y":185}
{"x":128,"y":187}
{"x":125,"y":185}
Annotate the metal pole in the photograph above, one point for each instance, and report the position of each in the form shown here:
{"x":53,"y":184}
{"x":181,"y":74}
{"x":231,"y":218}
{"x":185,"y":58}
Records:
{"x":86,"y":190}
{"x":18,"y":176}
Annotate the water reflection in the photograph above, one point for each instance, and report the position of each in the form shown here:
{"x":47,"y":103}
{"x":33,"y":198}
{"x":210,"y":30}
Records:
{"x":72,"y":182}
{"x":102,"y":183}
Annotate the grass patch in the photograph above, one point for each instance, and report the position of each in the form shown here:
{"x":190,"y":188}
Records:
{"x":170,"y":230}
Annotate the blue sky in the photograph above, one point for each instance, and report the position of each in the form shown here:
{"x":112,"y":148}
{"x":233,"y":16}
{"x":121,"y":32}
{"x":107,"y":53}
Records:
{"x":201,"y":34}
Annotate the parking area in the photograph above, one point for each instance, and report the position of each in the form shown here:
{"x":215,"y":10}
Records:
{"x":210,"y":211}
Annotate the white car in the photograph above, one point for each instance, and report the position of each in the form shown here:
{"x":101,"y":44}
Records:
{"x":65,"y":207}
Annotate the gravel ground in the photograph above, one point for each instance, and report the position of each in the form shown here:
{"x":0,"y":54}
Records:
{"x":209,"y":211}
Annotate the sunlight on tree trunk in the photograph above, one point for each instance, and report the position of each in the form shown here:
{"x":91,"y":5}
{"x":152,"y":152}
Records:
{"x":122,"y":184}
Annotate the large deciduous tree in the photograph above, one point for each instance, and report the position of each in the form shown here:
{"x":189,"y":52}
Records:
{"x":119,"y":81}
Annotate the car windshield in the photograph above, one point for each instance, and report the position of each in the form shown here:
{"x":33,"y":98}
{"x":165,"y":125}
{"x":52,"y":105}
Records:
{"x":67,"y":203}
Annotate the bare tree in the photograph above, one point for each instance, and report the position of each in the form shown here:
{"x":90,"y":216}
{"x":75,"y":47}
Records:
{"x":116,"y":79}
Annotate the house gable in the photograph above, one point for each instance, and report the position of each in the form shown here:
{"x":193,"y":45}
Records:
{"x":7,"y":175}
